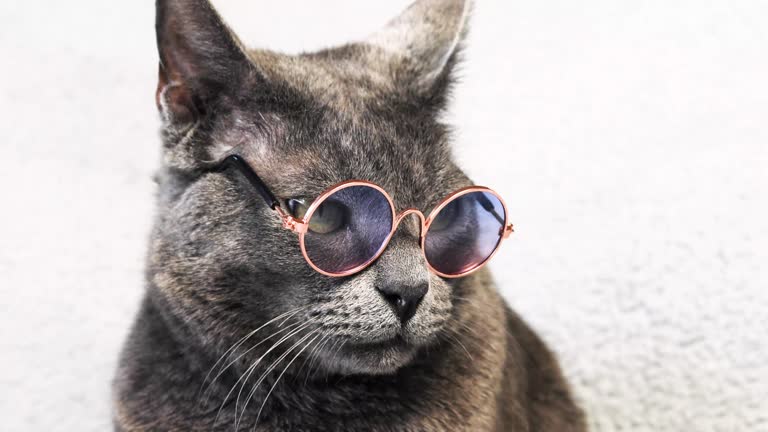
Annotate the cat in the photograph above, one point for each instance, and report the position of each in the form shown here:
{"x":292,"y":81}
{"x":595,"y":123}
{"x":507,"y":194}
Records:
{"x":235,"y":330}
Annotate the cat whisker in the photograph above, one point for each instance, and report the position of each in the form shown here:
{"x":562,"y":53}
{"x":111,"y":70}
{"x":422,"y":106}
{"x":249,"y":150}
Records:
{"x":224,"y":369}
{"x":309,"y":355}
{"x":468,"y":301}
{"x":331,"y":349}
{"x":457,"y":341}
{"x":476,"y":339}
{"x":242,"y":341}
{"x":316,"y":357}
{"x":267,"y":372}
{"x":338,"y":350}
{"x":250,"y":370}
{"x":263,"y":403}
{"x":258,"y":361}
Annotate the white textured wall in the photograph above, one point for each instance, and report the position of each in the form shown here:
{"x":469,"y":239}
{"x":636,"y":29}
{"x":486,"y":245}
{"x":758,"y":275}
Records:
{"x":630,"y":139}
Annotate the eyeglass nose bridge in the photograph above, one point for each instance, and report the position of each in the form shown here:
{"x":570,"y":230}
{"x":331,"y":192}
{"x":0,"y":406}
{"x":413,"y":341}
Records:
{"x":407,"y":212}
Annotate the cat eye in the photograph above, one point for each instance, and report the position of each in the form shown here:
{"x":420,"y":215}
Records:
{"x":329,"y":217}
{"x":347,"y":227}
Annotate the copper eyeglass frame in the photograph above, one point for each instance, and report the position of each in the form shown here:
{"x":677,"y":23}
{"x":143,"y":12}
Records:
{"x":300,"y":226}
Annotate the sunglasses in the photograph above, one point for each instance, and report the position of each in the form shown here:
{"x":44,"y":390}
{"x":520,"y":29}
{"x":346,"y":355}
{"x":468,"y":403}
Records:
{"x":347,"y":227}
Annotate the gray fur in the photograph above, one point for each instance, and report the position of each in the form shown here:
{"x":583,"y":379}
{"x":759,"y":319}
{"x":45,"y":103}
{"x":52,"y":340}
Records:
{"x":220,"y":265}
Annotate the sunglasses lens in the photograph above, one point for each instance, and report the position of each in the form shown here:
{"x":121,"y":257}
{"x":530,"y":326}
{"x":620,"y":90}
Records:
{"x":348,"y":229}
{"x":464,"y":233}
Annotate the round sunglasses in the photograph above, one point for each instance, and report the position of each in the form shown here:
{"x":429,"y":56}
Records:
{"x":348,"y":226}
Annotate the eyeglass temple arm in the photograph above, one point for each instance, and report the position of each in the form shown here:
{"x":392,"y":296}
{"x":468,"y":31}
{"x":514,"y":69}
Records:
{"x":236,"y":161}
{"x":506,"y":230}
{"x":241,"y":165}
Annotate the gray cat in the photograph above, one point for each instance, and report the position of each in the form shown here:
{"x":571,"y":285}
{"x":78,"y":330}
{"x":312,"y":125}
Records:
{"x":236,"y":331}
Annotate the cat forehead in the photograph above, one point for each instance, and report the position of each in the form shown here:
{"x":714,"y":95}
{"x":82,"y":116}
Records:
{"x":296,"y":161}
{"x":333,"y":154}
{"x":348,"y":79}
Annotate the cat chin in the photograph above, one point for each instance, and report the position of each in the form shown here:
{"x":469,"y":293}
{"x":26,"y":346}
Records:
{"x":382,"y":358}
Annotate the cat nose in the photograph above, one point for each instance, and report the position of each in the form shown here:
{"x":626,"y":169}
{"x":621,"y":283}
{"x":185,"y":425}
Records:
{"x":404,"y":299}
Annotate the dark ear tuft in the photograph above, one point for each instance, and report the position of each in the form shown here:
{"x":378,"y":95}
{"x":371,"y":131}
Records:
{"x":199,"y":58}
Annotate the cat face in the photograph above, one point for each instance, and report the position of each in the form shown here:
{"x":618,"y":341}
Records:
{"x":219,"y":258}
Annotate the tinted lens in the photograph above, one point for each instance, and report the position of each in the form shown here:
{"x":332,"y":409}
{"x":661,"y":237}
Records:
{"x":465,"y":233}
{"x":348,"y":229}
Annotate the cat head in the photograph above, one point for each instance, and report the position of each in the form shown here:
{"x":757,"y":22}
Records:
{"x":367,"y":110}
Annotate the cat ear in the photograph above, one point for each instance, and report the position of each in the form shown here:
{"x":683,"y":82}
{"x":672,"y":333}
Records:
{"x":199,"y":57}
{"x":427,"y":35}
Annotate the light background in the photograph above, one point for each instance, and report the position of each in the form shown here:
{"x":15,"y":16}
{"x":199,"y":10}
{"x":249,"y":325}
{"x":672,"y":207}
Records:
{"x":630,"y":139}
